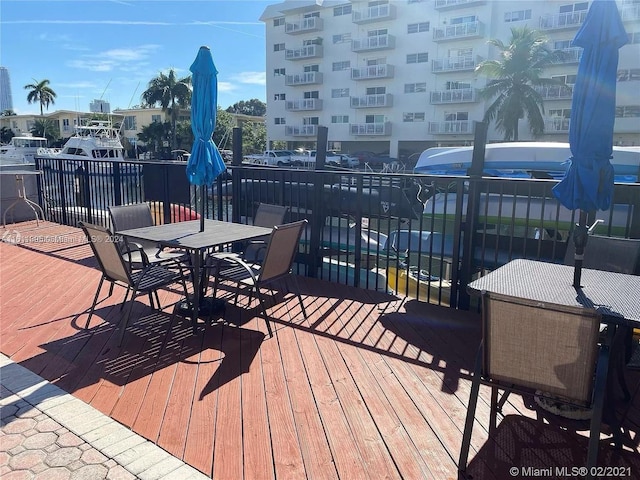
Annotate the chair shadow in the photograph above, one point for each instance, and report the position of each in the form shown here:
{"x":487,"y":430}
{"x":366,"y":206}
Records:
{"x":521,"y":447}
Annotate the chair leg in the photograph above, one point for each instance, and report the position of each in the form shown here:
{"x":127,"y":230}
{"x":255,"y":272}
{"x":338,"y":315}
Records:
{"x":264,"y":311}
{"x":95,"y":301}
{"x":125,"y":319}
{"x":124,"y":300}
{"x":471,"y":413}
{"x":296,"y":288}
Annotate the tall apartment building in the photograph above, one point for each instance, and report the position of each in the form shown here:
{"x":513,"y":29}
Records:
{"x":398,"y":76}
{"x":6,"y":99}
{"x":100,"y":106}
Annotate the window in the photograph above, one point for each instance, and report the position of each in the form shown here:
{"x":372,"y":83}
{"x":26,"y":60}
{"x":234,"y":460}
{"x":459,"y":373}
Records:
{"x":280,"y":96}
{"x":575,"y":7}
{"x":418,"y":27}
{"x":457,"y":85}
{"x":415,"y":1}
{"x":156,"y":118}
{"x":466,"y":19}
{"x":628,"y":111}
{"x":375,"y":3}
{"x":339,"y":66}
{"x":456,"y":116}
{"x":278,"y":47}
{"x":567,"y":79}
{"x":277,"y":72}
{"x":339,"y":92}
{"x":634,"y":37}
{"x":374,"y":119}
{"x":413,"y":117}
{"x":312,"y":15}
{"x":377,"y":33}
{"x":312,"y":41}
{"x":130,"y":123}
{"x":415,"y":87}
{"x":417,"y":57}
{"x":339,"y":118}
{"x":376,"y":90}
{"x":560,"y":112}
{"x":342,"y":38}
{"x":517,"y":15}
{"x":561,"y":44}
{"x":65,"y":122}
{"x":278,"y":22}
{"x":310,"y":121}
{"x":279,"y":121}
{"x":311,"y":68}
{"x":312,"y":94}
{"x":342,"y":10}
{"x":630,"y":74}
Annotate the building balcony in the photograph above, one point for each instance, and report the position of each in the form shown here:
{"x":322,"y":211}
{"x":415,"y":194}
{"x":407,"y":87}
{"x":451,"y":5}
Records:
{"x":556,"y":125}
{"x":303,"y":105}
{"x":372,"y":101}
{"x":570,"y":55}
{"x":304,"y":53}
{"x":373,"y":14}
{"x":561,"y":21}
{"x":370,"y":129}
{"x":306,"y":78}
{"x":459,"y":31}
{"x":555,"y":92}
{"x":451,"y":127}
{"x":306,"y":25}
{"x":372,"y":72}
{"x":460,"y":95}
{"x":369,"y":44}
{"x":455,"y":64}
{"x":301,"y":130}
{"x":630,"y":13}
{"x":451,"y":4}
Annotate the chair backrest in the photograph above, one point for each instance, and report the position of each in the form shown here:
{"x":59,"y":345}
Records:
{"x":281,"y":251}
{"x":268,"y":215}
{"x":105,"y":248}
{"x":540,"y":346}
{"x":125,"y":217}
{"x":612,"y":254}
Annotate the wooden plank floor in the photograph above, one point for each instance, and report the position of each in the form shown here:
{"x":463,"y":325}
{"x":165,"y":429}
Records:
{"x":368,"y":386}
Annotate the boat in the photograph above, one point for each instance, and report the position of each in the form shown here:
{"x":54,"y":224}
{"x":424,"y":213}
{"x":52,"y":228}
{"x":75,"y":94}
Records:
{"x":21,"y":150}
{"x":522,"y":160}
{"x":411,"y":282}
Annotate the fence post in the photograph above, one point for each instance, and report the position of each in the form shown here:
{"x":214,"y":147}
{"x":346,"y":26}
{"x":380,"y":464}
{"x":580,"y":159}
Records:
{"x":469,"y":227}
{"x":236,"y":176}
{"x":317,"y":218}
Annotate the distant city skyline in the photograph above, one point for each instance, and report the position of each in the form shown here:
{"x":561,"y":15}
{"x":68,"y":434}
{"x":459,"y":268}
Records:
{"x":6,"y":99}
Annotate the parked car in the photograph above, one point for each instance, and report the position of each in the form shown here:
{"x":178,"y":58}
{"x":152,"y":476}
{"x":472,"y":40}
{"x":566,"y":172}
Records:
{"x":346,"y":160}
{"x":373,"y":159}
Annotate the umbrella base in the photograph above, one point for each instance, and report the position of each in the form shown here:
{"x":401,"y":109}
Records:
{"x":208,"y":308}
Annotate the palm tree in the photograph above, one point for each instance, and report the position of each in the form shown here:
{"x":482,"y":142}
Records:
{"x":171,"y":94}
{"x":45,"y":128}
{"x":40,"y":91}
{"x":514,"y":78}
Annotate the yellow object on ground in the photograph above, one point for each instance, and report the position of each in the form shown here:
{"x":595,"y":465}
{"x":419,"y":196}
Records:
{"x":407,"y":282}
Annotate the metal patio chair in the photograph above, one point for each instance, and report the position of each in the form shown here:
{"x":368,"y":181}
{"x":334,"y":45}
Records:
{"x":277,"y":265}
{"x":548,"y":350}
{"x":118,"y":272}
{"x":268,"y":216}
{"x":140,"y":252}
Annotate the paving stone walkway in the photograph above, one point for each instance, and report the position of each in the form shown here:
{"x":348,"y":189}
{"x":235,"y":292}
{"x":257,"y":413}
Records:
{"x":47,"y":434}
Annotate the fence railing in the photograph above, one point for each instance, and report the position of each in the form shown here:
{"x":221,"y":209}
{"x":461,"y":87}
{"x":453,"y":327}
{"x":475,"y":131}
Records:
{"x":424,"y":236}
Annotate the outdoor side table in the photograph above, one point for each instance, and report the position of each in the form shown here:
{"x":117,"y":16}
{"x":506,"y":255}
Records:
{"x":22,"y":194}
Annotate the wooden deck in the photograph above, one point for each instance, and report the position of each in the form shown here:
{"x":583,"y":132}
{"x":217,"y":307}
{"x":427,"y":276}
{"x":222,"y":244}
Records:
{"x":368,"y":387}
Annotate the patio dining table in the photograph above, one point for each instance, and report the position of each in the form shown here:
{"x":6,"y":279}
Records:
{"x":613,"y":295}
{"x":187,"y":236}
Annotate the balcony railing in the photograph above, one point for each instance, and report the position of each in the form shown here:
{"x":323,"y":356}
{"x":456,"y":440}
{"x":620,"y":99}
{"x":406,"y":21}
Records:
{"x":378,"y":42}
{"x":460,"y":95}
{"x":371,"y":129}
{"x":556,"y":125}
{"x":450,"y":127}
{"x":555,"y":92}
{"x":561,"y":21}
{"x":301,"y":130}
{"x":372,"y":72}
{"x":630,"y":13}
{"x":451,"y":4}
{"x":306,"y":52}
{"x":305,"y":104}
{"x":458,"y":31}
{"x":571,"y":55}
{"x":372,"y":101}
{"x":374,"y":14}
{"x":306,"y":78}
{"x":306,"y":25}
{"x":455,"y":64}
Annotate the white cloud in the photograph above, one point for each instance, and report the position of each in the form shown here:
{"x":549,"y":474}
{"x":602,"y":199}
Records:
{"x":251,"y":78}
{"x":226,"y":87}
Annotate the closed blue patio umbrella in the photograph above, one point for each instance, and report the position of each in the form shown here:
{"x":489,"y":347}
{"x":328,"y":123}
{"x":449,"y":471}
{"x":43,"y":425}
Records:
{"x":205,"y":162}
{"x":588,"y":183}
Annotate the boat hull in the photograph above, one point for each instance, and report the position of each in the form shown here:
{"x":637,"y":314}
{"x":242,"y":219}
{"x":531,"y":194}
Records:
{"x":405,"y":283}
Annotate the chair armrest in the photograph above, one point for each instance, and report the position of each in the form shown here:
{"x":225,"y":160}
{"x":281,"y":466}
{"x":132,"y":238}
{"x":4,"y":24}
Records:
{"x":135,"y":247}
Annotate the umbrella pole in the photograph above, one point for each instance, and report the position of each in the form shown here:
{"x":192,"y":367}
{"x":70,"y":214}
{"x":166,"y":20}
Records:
{"x":580,"y":237}
{"x":202,"y":195}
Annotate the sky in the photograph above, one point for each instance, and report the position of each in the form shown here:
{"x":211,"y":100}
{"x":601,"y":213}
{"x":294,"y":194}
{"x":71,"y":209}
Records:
{"x":110,"y":50}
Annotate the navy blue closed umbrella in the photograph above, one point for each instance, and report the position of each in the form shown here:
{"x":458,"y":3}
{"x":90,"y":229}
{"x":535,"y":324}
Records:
{"x":588,"y":183}
{"x":205,"y":162}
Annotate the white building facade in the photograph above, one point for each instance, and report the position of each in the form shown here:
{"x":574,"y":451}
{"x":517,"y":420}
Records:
{"x":398,"y":76}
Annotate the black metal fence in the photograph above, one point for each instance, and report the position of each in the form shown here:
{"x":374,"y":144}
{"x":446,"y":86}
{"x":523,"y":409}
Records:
{"x":422,"y":236}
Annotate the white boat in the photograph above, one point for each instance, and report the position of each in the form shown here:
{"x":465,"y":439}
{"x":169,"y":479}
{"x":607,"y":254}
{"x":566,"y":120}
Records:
{"x":522,"y":160}
{"x":21,"y":150}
